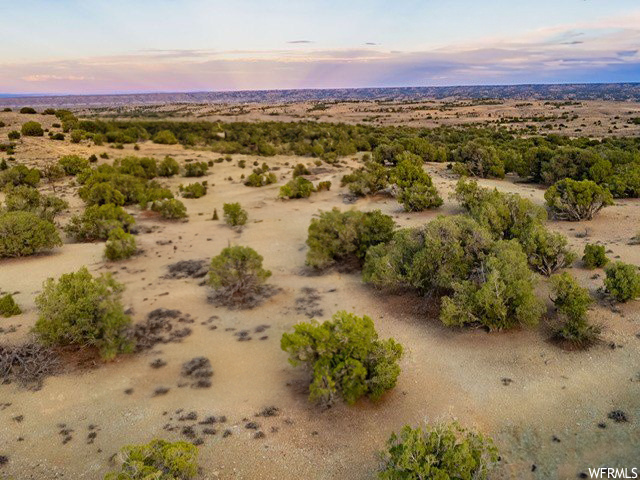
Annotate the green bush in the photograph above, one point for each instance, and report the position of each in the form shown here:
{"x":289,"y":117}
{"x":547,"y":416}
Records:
{"x":622,"y":281}
{"x":32,"y":129}
{"x":20,"y":175}
{"x":157,"y":460}
{"x":416,"y":191}
{"x":73,"y":164}
{"x":367,"y":180}
{"x":234,"y":214}
{"x":479,"y":160}
{"x":76,"y":136}
{"x":24,"y":233}
{"x":168,"y":167}
{"x":97,"y":222}
{"x":576,"y":200}
{"x":260,"y":179}
{"x":236,"y":275}
{"x":342,"y":236}
{"x":195,"y":169}
{"x":85,"y":311}
{"x":14,"y":135}
{"x":138,"y":167}
{"x":297,"y":188}
{"x":300,"y":169}
{"x":28,"y":110}
{"x":431,"y":258}
{"x":193,"y":190}
{"x":345,"y":356}
{"x":102,"y":194}
{"x":572,"y":302}
{"x":500,"y":295}
{"x":170,"y":209}
{"x":595,"y":256}
{"x":547,"y":252}
{"x":505,"y":215}
{"x":28,"y":199}
{"x":443,"y":452}
{"x":8,"y":306}
{"x":165,"y":137}
{"x":326,"y":185}
{"x":120,"y":245}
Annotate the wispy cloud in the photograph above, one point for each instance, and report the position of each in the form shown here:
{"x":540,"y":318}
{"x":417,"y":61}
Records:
{"x":599,"y":51}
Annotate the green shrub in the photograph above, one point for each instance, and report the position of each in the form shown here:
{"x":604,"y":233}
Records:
{"x":32,"y":129}
{"x":73,"y":164}
{"x":57,"y":136}
{"x":416,"y":191}
{"x":300,"y":169}
{"x":28,"y":199}
{"x":443,"y":452}
{"x":28,"y":110}
{"x":345,"y":356}
{"x":193,"y":190}
{"x":431,"y":258}
{"x":367,"y":180}
{"x":547,"y":252}
{"x":168,"y":167}
{"x":138,"y":167}
{"x":234,"y":214}
{"x":195,"y":169}
{"x":326,"y":185}
{"x":165,"y":137}
{"x":76,"y":136}
{"x":342,"y":236}
{"x":20,"y":175}
{"x":500,"y":295}
{"x":297,"y":188}
{"x":14,"y":135}
{"x":97,"y":222}
{"x":157,"y":460}
{"x":505,"y":215}
{"x":85,"y":311}
{"x":170,"y":209}
{"x":237,"y":276}
{"x":24,"y":233}
{"x":479,"y":160}
{"x":622,"y":281}
{"x":8,"y":306}
{"x":572,"y":302}
{"x":120,"y":245}
{"x":595,"y":256}
{"x":576,"y":200}
{"x":260,"y":179}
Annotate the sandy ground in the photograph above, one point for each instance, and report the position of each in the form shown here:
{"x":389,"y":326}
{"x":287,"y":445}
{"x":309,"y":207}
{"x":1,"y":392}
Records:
{"x":545,"y":421}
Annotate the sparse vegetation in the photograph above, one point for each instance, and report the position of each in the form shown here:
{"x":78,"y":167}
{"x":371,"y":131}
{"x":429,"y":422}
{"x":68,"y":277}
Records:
{"x":73,"y":164}
{"x":168,"y":167}
{"x":299,"y":187}
{"x":345,"y":356}
{"x":170,"y":209}
{"x":193,"y":190}
{"x":32,"y":129}
{"x":97,"y":222}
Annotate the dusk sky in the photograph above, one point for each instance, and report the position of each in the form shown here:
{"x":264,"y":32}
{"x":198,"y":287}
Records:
{"x":117,"y":46}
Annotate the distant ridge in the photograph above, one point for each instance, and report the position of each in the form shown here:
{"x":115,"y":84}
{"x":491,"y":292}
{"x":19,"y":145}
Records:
{"x":589,"y":91}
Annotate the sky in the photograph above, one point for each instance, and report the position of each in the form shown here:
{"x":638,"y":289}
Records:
{"x":126,"y":46}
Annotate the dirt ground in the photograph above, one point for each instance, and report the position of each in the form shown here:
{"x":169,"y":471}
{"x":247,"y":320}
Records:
{"x":543,"y":405}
